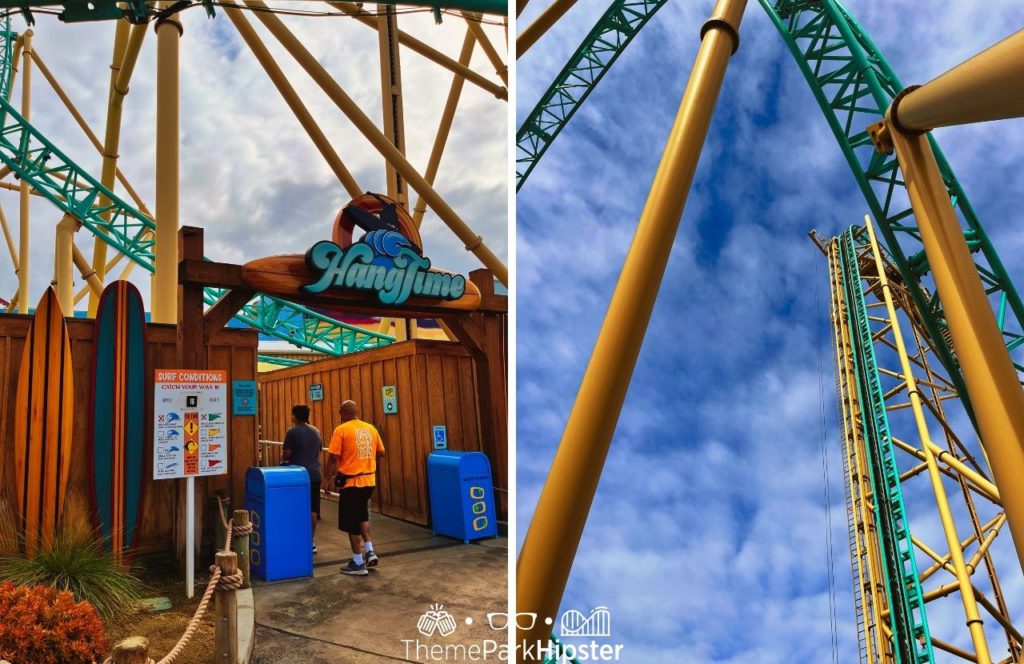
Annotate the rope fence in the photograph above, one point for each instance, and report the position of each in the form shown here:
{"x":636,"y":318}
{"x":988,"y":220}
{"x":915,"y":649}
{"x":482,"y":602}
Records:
{"x":226,"y":576}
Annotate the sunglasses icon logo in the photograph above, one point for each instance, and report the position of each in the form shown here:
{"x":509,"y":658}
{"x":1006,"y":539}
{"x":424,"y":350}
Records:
{"x":500,"y":621}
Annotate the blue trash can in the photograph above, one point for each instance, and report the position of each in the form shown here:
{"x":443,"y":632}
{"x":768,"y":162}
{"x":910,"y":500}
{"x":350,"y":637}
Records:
{"x":461,"y":495}
{"x":281,"y":544}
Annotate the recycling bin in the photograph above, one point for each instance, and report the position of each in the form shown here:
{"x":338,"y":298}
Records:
{"x":461,"y":495}
{"x":281,"y":543}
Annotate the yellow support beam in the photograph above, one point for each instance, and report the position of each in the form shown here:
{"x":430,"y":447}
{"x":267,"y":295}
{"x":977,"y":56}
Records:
{"x":445,"y":126}
{"x":547,"y":18}
{"x":500,"y":68}
{"x":86,"y":129}
{"x":427,"y":51}
{"x":391,"y":97}
{"x":302,"y":114}
{"x":364,"y":124}
{"x":561,"y":513}
{"x":985,"y":87}
{"x":127,"y":46}
{"x":24,"y":188}
{"x":992,"y":382}
{"x":10,"y":240}
{"x":971,"y":613}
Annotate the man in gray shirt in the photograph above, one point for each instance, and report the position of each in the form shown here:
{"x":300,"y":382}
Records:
{"x":302,"y":445}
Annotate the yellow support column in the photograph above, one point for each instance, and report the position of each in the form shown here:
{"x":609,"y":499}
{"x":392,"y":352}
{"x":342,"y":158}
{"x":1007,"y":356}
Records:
{"x":165,"y":278}
{"x":561,"y":513}
{"x":127,"y":45}
{"x":63,"y":269}
{"x":391,"y":97}
{"x":24,"y":188}
{"x":992,"y":382}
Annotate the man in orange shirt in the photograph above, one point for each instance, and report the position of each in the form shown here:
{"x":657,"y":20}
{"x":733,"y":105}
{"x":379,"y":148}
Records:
{"x":352,"y":460}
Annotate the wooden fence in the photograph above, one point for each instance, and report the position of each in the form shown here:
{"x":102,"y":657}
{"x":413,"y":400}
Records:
{"x":233,"y":350}
{"x":436,"y":384}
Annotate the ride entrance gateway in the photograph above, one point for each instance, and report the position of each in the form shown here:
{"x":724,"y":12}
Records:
{"x":148,"y":366}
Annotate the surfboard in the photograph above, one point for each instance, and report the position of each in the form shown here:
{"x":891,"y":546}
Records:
{"x":118,"y":416}
{"x":43,"y":418}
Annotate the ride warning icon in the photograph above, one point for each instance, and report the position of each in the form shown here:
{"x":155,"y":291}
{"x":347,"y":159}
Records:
{"x":191,"y":443}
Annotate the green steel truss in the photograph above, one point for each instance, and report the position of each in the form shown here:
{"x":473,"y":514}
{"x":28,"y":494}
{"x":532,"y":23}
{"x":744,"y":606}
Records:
{"x":36,"y":160}
{"x":613,"y":32}
{"x":910,"y":635}
{"x":853,"y":84}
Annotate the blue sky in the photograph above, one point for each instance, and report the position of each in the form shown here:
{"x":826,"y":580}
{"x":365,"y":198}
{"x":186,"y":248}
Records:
{"x":707,"y":536}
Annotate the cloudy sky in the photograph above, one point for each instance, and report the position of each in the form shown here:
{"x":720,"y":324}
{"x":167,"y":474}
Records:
{"x":707,"y":539}
{"x":249,"y":174}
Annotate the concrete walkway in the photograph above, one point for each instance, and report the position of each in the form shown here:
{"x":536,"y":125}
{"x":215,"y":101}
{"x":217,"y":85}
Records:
{"x":332,"y":619}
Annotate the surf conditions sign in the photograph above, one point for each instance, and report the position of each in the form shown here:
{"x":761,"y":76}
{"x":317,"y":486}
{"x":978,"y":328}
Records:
{"x":190,"y":428}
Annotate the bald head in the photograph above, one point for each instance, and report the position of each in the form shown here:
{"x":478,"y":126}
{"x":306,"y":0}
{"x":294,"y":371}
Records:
{"x":349,"y":410}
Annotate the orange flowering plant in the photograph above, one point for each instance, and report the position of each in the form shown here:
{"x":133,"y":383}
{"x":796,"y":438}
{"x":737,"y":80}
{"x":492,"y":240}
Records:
{"x":47,"y":626}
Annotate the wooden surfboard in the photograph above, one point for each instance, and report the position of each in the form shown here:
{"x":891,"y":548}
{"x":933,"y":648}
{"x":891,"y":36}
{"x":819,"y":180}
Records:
{"x":43,"y":417}
{"x":118,"y":415}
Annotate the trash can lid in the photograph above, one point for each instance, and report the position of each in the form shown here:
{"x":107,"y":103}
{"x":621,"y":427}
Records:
{"x":258,"y":480}
{"x":451,"y":459}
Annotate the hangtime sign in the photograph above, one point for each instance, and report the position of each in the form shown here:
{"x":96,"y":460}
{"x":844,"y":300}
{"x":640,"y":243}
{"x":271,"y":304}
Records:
{"x":383,"y":262}
{"x":382,"y":269}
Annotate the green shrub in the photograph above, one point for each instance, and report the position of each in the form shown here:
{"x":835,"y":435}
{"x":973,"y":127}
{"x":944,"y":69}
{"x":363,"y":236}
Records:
{"x":78,"y":564}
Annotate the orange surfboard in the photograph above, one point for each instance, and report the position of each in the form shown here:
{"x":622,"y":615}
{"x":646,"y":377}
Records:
{"x":43,"y":417}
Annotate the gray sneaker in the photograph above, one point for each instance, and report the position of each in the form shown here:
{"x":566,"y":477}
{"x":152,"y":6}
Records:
{"x":352,"y":569}
{"x":371,"y":559}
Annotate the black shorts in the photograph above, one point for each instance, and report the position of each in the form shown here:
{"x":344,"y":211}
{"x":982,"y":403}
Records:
{"x":354,"y":508}
{"x":314,"y":497}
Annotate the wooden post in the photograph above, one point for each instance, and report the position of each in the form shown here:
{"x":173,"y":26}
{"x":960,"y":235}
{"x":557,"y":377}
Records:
{"x":190,"y":354}
{"x":133,"y":650}
{"x":226,"y":630}
{"x":191,"y":332}
{"x":240,"y":545}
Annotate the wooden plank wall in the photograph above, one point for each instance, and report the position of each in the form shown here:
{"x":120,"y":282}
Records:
{"x":436,"y":384}
{"x":235,"y":351}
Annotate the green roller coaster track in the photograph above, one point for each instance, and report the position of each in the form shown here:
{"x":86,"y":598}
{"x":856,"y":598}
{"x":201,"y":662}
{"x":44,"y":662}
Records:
{"x":613,"y":32}
{"x":853,"y":85}
{"x":36,"y":160}
{"x":909,"y":624}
